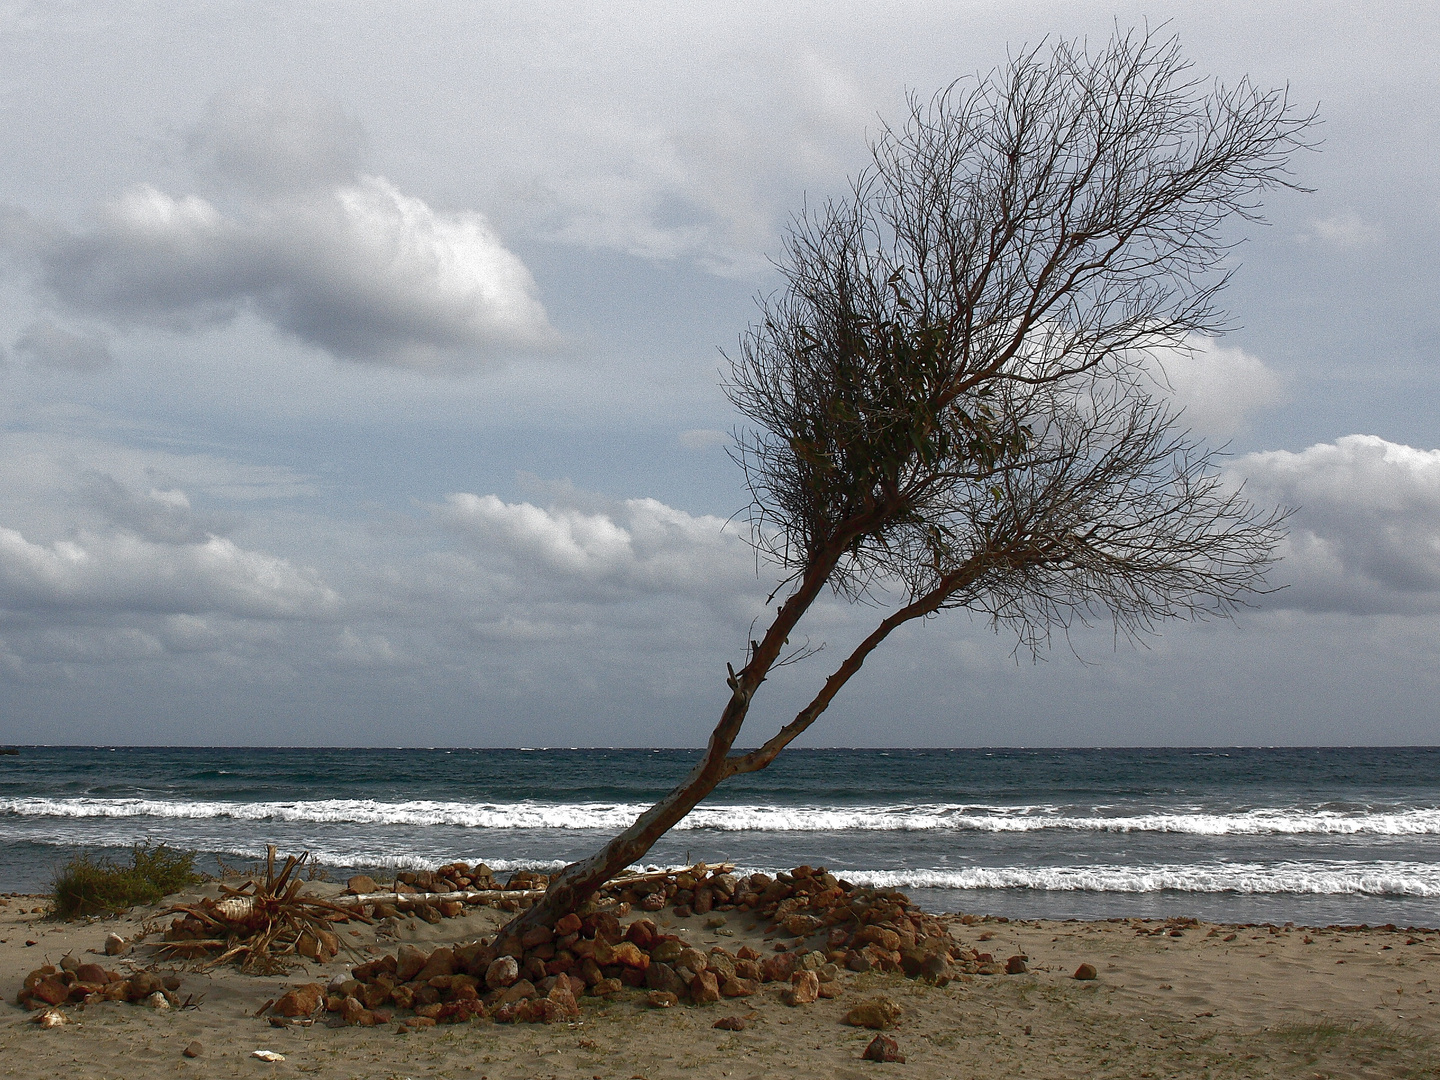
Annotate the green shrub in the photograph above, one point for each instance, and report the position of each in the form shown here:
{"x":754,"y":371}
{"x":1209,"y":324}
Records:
{"x":90,"y":886}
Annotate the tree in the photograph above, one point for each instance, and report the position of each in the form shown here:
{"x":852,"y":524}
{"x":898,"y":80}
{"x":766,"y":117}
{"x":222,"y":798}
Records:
{"x":952,"y":397}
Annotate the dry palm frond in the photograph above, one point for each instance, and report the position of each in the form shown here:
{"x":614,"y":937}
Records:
{"x":259,"y":926}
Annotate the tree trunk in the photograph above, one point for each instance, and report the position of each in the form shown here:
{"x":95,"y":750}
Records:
{"x":579,"y":881}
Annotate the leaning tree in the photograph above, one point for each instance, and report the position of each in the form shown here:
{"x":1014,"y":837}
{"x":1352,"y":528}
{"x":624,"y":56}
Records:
{"x":953,"y":397}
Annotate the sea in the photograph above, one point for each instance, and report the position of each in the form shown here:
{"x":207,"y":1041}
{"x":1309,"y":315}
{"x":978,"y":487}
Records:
{"x":1314,"y":836}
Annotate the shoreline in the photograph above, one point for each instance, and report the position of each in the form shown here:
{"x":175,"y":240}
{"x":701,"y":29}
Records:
{"x":1170,"y":997}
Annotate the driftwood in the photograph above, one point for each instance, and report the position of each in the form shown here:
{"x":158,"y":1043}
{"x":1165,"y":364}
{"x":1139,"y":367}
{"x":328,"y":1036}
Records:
{"x":479,"y":896}
{"x":468,"y":896}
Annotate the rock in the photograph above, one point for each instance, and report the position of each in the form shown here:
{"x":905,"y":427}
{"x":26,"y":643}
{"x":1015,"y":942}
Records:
{"x":68,"y":962}
{"x":1016,"y":966}
{"x":536,"y":935}
{"x":194,"y":1049}
{"x":880,"y":1012}
{"x":92,"y":973}
{"x":502,"y":972}
{"x":629,"y":954}
{"x":654,"y":902}
{"x":519,"y":992}
{"x":691,"y":958}
{"x":408,"y":962}
{"x":734,"y":988}
{"x":439,"y":962}
{"x":704,"y":988}
{"x":661,"y":999}
{"x":779,"y":968}
{"x":888,"y":940}
{"x":662,"y":977}
{"x":300,"y":1001}
{"x":451,"y":909}
{"x":726,"y":967}
{"x":801,"y":925}
{"x":562,"y":999}
{"x":1086,"y":971}
{"x":644,"y":933}
{"x":115,"y":945}
{"x":51,"y":990}
{"x":804,"y":988}
{"x":361,"y":883}
{"x":610,"y":987}
{"x":340,"y":978}
{"x":352,"y":1011}
{"x":50,"y":1018}
{"x":883,"y":1048}
{"x":157,"y":1000}
{"x":731,"y":1023}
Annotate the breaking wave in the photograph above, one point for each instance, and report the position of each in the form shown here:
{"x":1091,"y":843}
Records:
{"x":1292,"y":878}
{"x":613,"y":816}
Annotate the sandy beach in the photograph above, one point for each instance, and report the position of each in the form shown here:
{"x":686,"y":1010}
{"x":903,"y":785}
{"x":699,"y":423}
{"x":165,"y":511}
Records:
{"x":1169,"y":1000}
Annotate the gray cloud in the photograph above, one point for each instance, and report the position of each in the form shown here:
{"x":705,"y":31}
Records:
{"x":161,"y":516}
{"x":270,"y":141}
{"x":1365,"y":537}
{"x":48,"y":345}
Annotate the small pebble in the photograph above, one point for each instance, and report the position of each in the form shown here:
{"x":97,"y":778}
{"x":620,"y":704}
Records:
{"x":194,"y":1050}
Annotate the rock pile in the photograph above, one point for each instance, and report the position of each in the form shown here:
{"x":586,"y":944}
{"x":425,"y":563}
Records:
{"x":74,"y":983}
{"x":539,"y":975}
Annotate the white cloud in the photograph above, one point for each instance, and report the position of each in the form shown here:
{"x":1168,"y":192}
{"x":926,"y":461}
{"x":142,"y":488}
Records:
{"x":1346,"y":229}
{"x":122,"y":572}
{"x":702,"y":438}
{"x":1217,"y":386}
{"x":343,"y":261}
{"x":361,"y":270}
{"x":639,"y":546}
{"x":1365,"y":537}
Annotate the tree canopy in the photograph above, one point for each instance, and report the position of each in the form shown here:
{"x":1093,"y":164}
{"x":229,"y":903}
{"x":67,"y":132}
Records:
{"x":953,"y":401}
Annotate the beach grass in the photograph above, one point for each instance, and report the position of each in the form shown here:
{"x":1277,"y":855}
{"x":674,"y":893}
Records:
{"x":91,"y":886}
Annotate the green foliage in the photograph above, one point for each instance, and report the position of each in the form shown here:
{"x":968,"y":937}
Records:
{"x":90,"y":886}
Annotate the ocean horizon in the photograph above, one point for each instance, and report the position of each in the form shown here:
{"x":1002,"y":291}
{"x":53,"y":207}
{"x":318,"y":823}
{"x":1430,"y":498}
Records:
{"x":1311,"y":835}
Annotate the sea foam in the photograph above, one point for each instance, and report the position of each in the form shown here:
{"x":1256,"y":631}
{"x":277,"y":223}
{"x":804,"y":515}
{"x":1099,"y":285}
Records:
{"x":746,"y":818}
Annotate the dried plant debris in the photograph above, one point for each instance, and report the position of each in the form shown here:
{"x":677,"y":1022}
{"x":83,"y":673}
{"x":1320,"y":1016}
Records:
{"x":263,"y":927}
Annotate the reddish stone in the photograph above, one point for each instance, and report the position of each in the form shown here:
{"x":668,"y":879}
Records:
{"x":733,"y":988}
{"x":642,"y":933}
{"x":778,"y":968}
{"x":300,"y":1001}
{"x":883,"y":1048}
{"x":408,"y":962}
{"x":704,"y":988}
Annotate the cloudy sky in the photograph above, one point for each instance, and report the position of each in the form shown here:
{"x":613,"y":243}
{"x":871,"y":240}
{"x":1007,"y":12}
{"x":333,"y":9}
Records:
{"x":359,"y":375}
